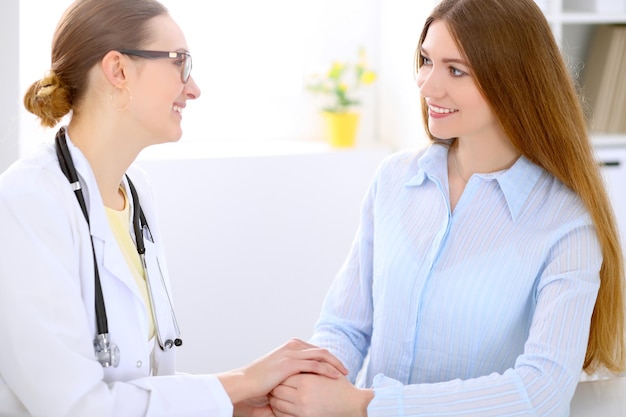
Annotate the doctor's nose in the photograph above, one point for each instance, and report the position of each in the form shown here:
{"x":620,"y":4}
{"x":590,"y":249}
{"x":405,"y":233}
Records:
{"x":192,"y":91}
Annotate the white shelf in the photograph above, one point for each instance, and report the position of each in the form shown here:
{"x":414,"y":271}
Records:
{"x":589,"y":18}
{"x":564,"y":13}
{"x":608,"y":141}
{"x":591,"y":6}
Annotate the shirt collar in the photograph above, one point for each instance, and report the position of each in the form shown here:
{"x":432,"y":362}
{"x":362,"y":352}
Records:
{"x":516,"y":182}
{"x":431,"y":164}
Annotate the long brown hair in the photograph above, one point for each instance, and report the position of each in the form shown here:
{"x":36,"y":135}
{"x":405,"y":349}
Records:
{"x":86,"y":32}
{"x":519,"y":69}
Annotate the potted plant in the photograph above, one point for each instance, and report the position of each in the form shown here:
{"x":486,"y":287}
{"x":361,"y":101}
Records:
{"x":339,"y":84}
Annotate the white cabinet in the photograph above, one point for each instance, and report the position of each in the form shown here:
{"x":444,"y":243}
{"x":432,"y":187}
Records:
{"x":603,"y":398}
{"x":613,"y":162}
{"x":573,"y":23}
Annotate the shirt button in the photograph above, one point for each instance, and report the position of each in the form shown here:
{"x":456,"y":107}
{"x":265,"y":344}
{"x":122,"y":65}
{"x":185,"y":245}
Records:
{"x":139,"y":364}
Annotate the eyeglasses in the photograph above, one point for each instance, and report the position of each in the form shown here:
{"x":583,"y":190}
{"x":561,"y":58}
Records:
{"x":184,"y":57}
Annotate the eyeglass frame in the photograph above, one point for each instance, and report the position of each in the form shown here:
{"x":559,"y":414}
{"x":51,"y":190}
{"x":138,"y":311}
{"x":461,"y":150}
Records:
{"x":185,"y":69}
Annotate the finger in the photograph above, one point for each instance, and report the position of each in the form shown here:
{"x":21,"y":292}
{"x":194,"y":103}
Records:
{"x":291,"y":381}
{"x":311,"y":351}
{"x":319,"y":368}
{"x":284,"y":392}
{"x":282,"y":408}
{"x":304,"y":343}
{"x":322,"y":355}
{"x":299,"y":344}
{"x":279,"y":414}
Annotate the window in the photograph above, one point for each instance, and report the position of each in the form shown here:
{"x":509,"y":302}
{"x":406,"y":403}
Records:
{"x":252,"y":57}
{"x":249,"y":59}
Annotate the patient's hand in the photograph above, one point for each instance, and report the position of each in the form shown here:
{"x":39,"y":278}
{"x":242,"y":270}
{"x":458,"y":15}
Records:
{"x":309,"y":395}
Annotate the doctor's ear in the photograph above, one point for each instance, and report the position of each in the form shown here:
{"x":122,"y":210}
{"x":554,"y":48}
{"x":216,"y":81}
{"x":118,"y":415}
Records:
{"x":115,"y":67}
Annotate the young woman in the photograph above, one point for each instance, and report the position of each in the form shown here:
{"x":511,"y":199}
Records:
{"x":487,"y":272}
{"x":87,"y":324}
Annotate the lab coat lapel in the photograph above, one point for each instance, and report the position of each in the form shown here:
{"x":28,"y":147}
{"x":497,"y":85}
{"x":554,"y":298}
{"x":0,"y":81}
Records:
{"x":104,"y":241}
{"x":164,"y":362}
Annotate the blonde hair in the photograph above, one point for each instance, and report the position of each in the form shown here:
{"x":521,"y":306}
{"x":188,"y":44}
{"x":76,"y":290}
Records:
{"x":519,"y":69}
{"x":86,"y":32}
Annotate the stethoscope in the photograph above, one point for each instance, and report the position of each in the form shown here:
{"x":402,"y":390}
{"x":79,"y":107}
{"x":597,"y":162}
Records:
{"x":107,"y":352}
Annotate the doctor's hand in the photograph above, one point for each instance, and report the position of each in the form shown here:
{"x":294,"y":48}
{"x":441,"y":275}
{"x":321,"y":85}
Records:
{"x":294,"y":357}
{"x":255,"y":407}
{"x":308,"y":395}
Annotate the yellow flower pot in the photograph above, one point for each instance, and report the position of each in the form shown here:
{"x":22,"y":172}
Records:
{"x":341,"y":128}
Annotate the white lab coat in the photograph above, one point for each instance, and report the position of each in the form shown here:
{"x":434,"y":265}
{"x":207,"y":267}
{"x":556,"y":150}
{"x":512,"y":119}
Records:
{"x":47,"y":315}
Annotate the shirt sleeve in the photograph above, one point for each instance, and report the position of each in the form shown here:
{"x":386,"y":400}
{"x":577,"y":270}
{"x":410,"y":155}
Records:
{"x":544,"y":378}
{"x":345,"y":323}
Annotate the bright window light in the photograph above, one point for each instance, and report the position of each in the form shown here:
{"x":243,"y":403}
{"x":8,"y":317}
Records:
{"x":250,"y":58}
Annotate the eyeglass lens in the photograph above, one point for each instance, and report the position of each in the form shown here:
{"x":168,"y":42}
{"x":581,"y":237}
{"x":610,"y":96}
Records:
{"x":186,"y":69}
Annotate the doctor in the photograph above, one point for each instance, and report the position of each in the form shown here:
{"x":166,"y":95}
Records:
{"x":85,"y":338}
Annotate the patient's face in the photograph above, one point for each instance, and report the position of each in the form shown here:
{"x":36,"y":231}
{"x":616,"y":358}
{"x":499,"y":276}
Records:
{"x":456,"y":107}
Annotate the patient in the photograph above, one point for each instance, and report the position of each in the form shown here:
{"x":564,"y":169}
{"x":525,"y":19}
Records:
{"x":486,"y":272}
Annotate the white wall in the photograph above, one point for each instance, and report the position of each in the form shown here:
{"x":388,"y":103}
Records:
{"x":399,"y":104}
{"x":253,"y":242}
{"x":9,"y":99}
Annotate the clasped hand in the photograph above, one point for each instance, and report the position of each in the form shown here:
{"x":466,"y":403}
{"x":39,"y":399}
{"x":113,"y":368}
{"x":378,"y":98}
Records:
{"x":311,"y":395}
{"x":249,"y":387}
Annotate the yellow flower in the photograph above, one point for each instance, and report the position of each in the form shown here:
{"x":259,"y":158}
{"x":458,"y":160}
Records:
{"x":335,"y":70}
{"x":340,"y":81}
{"x":368,"y":77}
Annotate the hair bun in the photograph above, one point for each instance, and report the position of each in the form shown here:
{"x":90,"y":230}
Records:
{"x":48,"y":84}
{"x":48,"y":99}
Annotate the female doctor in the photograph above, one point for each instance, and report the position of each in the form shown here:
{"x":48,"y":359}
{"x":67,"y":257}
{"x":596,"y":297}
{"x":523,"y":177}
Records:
{"x":87,"y":324}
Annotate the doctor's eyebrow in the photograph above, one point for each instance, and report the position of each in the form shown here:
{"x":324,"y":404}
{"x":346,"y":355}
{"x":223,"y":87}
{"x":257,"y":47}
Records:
{"x":445,"y":60}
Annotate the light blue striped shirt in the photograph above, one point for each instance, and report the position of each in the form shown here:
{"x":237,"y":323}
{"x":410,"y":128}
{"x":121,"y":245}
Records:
{"x":481,"y":312}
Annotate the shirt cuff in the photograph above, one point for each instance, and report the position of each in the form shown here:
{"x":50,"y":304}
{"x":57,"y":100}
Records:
{"x":387,"y":399}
